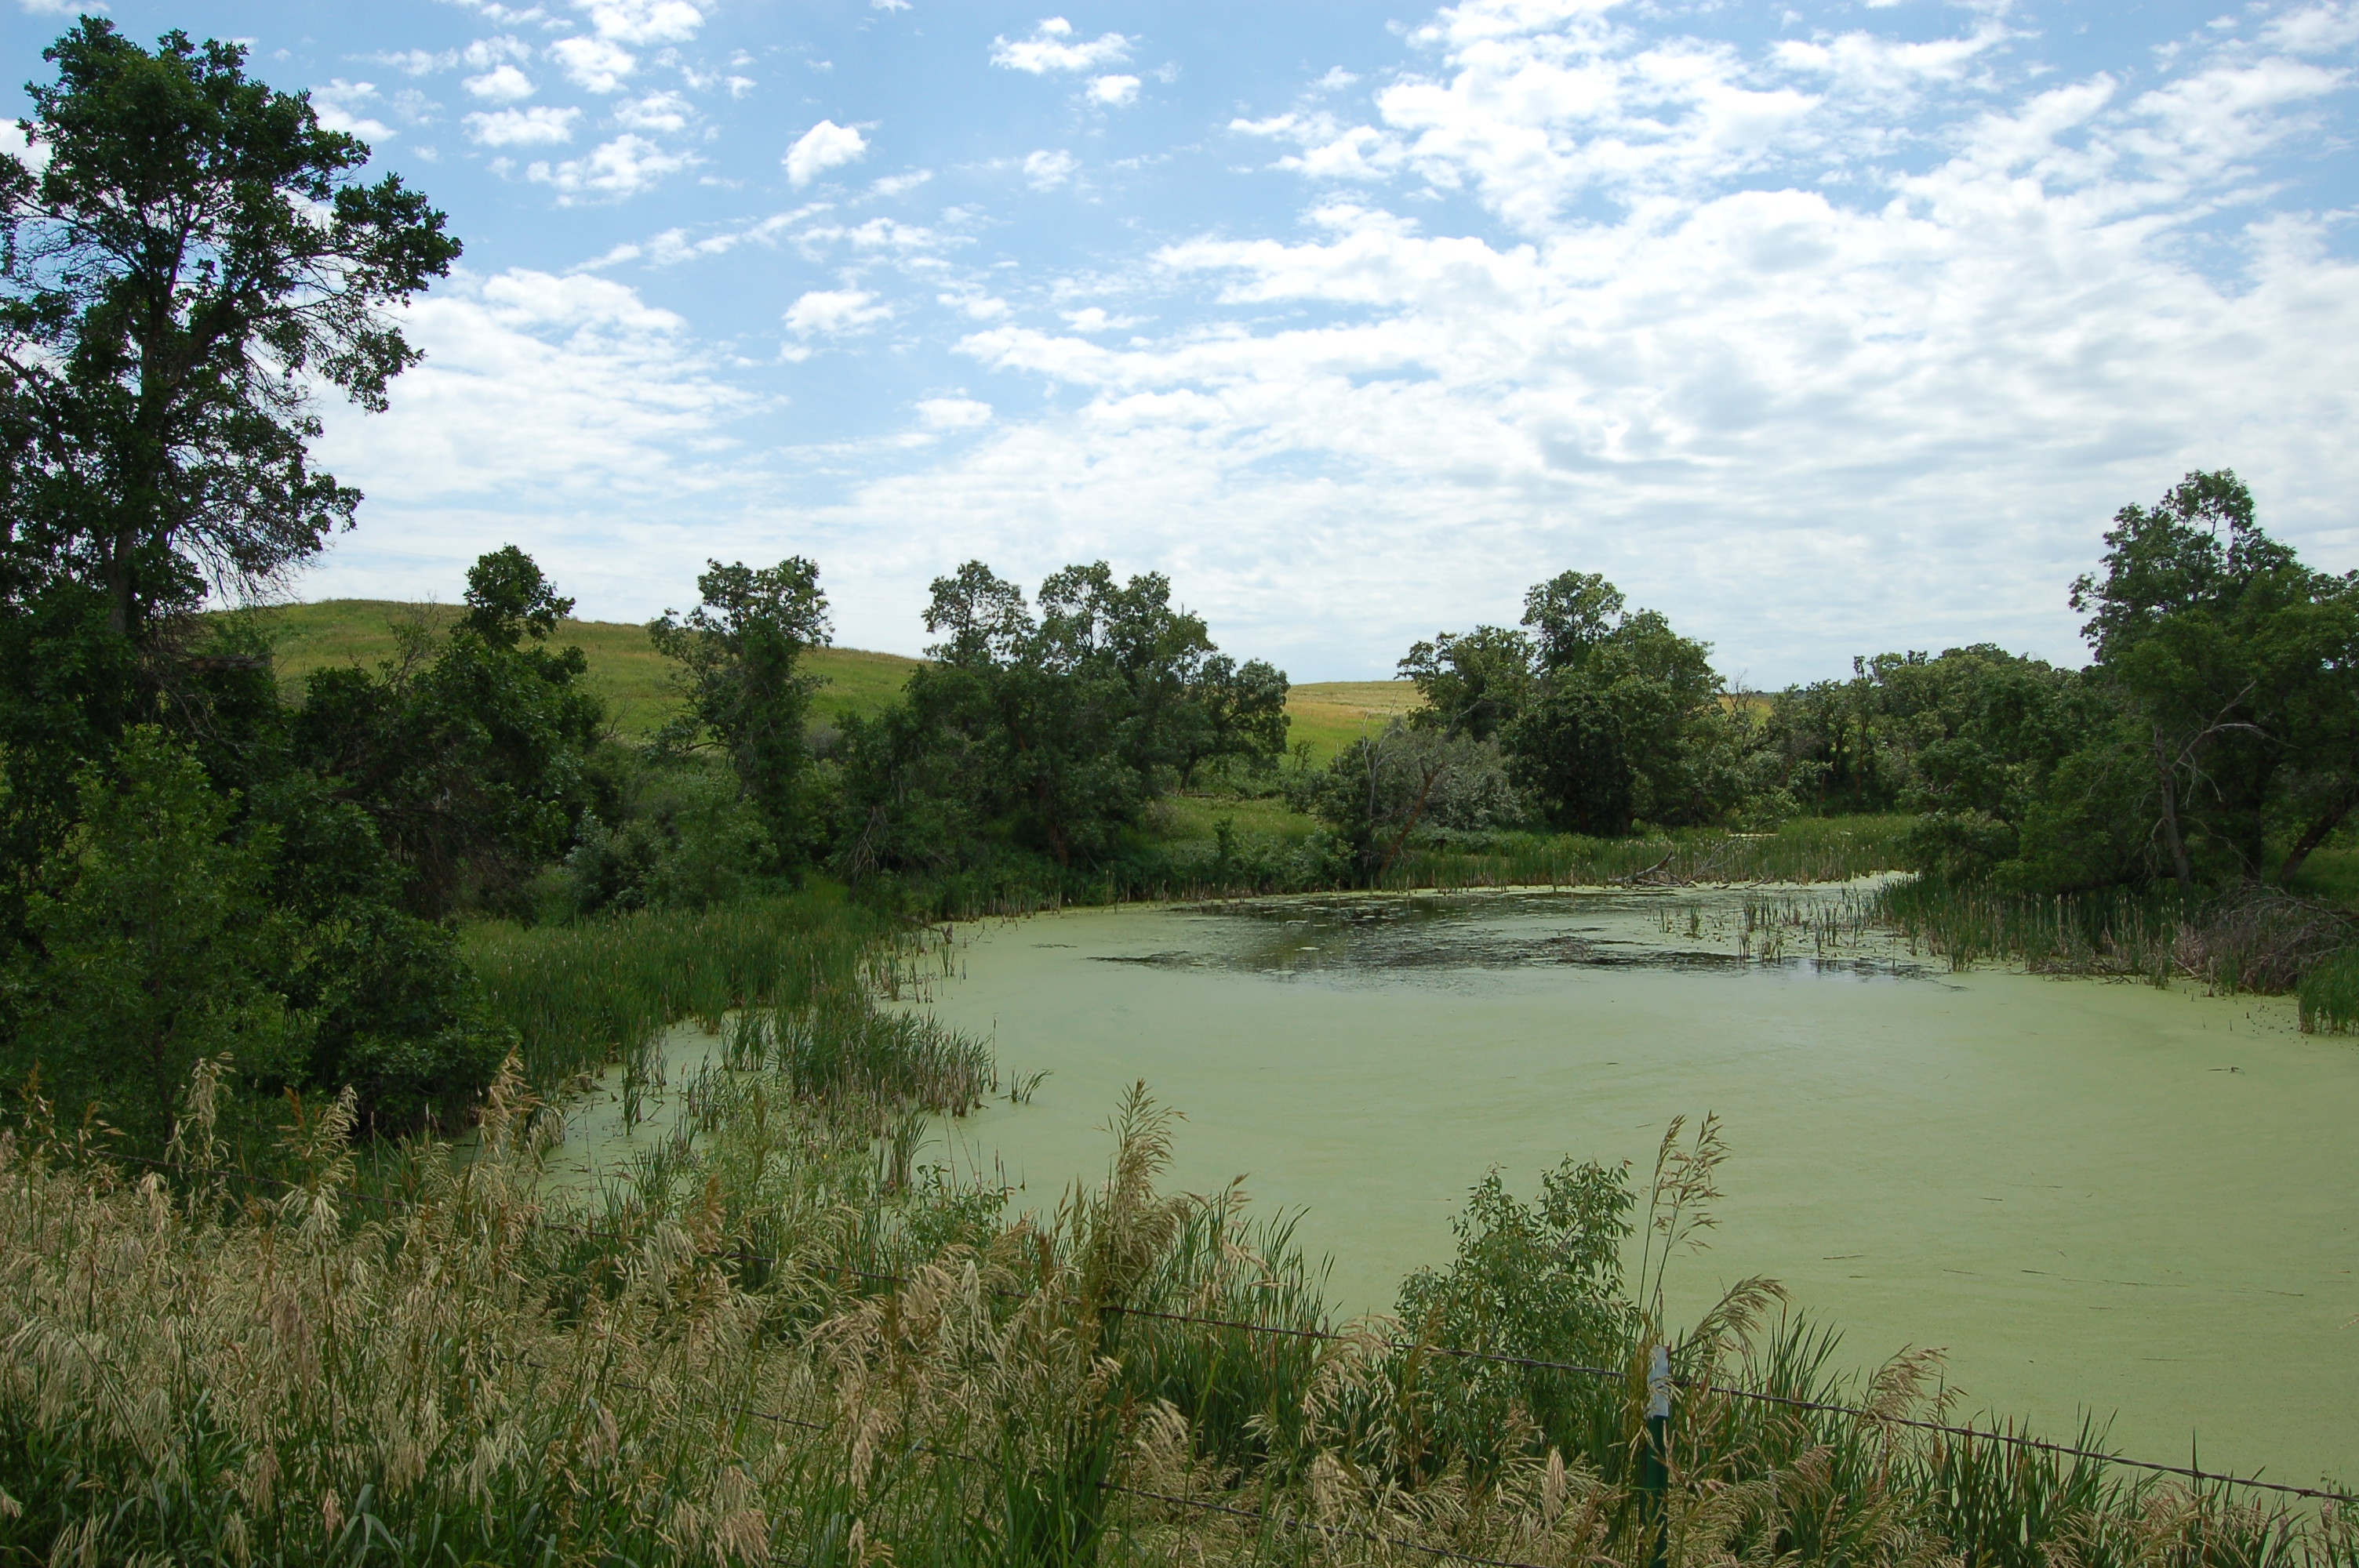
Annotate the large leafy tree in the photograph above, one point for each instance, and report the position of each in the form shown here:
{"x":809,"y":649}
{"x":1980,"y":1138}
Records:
{"x":194,"y":256}
{"x":1048,"y":729}
{"x":2240,"y":667}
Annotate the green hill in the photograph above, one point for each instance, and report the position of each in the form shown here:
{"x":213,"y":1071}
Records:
{"x":637,"y":682}
{"x":624,"y":668}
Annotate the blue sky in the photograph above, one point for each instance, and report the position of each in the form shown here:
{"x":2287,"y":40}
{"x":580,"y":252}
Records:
{"x":1826,"y":329}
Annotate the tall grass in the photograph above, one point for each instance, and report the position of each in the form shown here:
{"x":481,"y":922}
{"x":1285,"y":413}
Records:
{"x":708,"y":1371}
{"x":601,"y":990}
{"x":2253,"y":940}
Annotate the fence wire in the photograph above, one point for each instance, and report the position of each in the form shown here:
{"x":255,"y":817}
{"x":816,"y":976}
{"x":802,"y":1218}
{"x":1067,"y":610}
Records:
{"x":1982,"y":1434}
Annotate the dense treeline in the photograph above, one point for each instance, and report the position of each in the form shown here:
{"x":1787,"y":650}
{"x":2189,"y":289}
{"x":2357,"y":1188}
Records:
{"x":2213,"y":741}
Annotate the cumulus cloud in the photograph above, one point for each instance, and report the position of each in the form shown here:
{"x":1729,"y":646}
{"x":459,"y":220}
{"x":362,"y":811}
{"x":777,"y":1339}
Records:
{"x":1052,"y":47}
{"x":824,"y":146}
{"x":541,"y":399}
{"x":538,"y":127}
{"x":624,"y":167}
{"x":1680,"y":353}
{"x":643,"y":21}
{"x":1047,"y":169}
{"x":501,"y":84}
{"x":344,"y":106}
{"x":655,"y":112}
{"x":595,"y":65}
{"x":482,"y":54}
{"x":1822,"y":345}
{"x":1113,"y":91}
{"x":831,"y":311}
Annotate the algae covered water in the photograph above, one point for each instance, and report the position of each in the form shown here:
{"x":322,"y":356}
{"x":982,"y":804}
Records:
{"x":2098,"y":1196}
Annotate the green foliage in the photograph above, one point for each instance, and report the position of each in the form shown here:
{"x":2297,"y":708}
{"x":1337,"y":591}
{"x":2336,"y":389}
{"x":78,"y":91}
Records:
{"x":1541,"y":1281}
{"x":741,"y":654}
{"x":2242,"y":666}
{"x":1047,"y":734}
{"x":1606,"y":719}
{"x":2329,"y":995}
{"x":687,"y":839}
{"x":151,"y":941}
{"x":1381,"y":792}
{"x":469,"y":754}
{"x":195,"y":253}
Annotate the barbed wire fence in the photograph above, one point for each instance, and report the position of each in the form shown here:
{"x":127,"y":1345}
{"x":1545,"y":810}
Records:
{"x":1982,"y":1434}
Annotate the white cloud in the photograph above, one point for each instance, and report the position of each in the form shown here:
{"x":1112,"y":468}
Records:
{"x":1113,"y":91}
{"x":834,"y":310}
{"x":643,"y":21}
{"x":541,"y":400}
{"x":624,"y":167}
{"x":953,"y":413}
{"x":14,"y":141}
{"x":824,"y":146}
{"x":501,"y":84}
{"x":342,"y":106}
{"x":1685,"y":360}
{"x":2314,"y":29}
{"x":1046,"y":169}
{"x":1048,"y":50}
{"x":893,"y":184}
{"x":538,"y":127}
{"x":482,"y":54}
{"x":889,"y":5}
{"x":594,"y":64}
{"x":62,"y":8}
{"x":655,"y":112}
{"x":1822,"y":350}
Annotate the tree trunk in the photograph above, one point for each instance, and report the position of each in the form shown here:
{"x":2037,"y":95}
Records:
{"x":2327,"y":823}
{"x":2171,"y":833}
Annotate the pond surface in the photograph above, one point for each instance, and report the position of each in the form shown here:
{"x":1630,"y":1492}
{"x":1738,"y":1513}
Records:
{"x":2096,"y":1195}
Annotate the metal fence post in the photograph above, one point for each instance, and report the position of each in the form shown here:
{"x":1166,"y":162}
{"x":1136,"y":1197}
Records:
{"x":1655,"y":1469}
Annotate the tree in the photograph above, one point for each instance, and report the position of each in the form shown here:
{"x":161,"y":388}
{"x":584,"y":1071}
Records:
{"x":741,"y":653}
{"x":151,"y":940}
{"x":1048,"y":732}
{"x":468,"y":751}
{"x":1623,"y":721}
{"x":2239,"y":664}
{"x":1235,"y":710}
{"x":194,"y":256}
{"x":1474,"y":683}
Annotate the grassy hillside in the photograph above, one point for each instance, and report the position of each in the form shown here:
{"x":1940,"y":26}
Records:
{"x":636,"y":683}
{"x":624,"y":668}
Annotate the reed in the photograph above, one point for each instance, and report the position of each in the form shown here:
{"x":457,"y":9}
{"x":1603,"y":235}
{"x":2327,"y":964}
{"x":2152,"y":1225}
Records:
{"x":583,"y":995}
{"x":2329,"y":995}
{"x":705,"y":1368}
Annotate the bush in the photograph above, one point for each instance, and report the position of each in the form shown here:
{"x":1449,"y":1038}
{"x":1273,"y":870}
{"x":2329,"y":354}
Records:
{"x":1958,"y":845}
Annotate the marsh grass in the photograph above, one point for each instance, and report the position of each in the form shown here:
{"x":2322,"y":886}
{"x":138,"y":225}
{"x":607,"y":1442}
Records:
{"x":706,"y":1366}
{"x":2249,"y":940}
{"x":580,"y":996}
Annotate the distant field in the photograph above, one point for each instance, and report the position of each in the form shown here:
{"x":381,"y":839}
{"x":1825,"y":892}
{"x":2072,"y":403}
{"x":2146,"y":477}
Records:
{"x":637,"y":682}
{"x":1330,"y":715}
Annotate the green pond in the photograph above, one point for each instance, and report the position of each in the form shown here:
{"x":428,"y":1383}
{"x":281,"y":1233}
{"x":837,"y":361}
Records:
{"x":2097,"y":1196}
